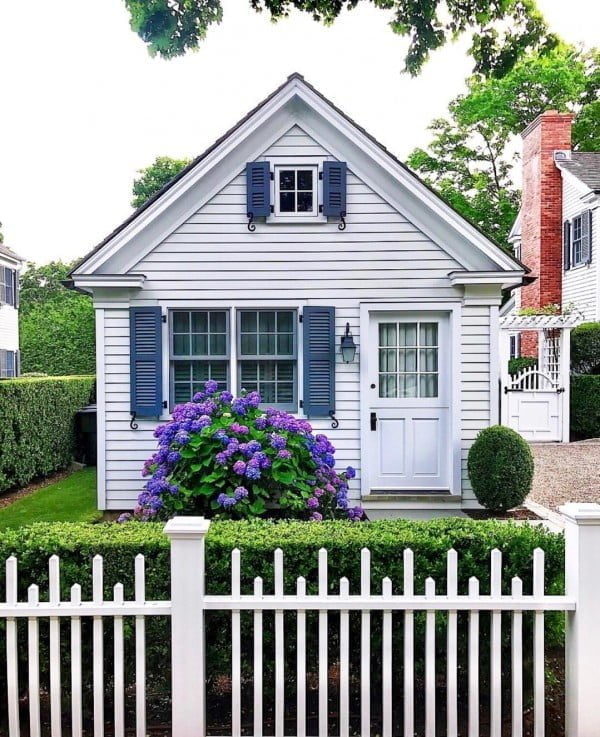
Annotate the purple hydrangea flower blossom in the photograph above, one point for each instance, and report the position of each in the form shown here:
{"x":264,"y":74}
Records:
{"x":350,"y":472}
{"x":211,"y":386}
{"x":278,"y":441}
{"x":239,"y":467}
{"x":312,"y":502}
{"x":316,"y":517}
{"x":239,"y":429}
{"x":240,"y":492}
{"x":284,"y":453}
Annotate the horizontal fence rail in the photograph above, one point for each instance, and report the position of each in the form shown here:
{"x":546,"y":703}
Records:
{"x":344,"y":660}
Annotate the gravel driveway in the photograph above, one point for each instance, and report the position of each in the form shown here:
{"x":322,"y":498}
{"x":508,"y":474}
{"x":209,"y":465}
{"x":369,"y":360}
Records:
{"x":566,"y":472}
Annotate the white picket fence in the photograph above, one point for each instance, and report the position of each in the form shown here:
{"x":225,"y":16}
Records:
{"x":189,"y":604}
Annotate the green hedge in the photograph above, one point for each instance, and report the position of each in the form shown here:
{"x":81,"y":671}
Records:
{"x":37,"y":425}
{"x":585,"y":348}
{"x":76,"y":544}
{"x":585,"y":406}
{"x":522,"y":362}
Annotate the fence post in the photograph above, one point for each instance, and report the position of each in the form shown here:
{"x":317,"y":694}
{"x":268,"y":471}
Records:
{"x":582,"y":566}
{"x":187,"y":624}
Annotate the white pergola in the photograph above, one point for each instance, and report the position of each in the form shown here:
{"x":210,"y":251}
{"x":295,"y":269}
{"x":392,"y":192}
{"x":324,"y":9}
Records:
{"x":554,"y":351}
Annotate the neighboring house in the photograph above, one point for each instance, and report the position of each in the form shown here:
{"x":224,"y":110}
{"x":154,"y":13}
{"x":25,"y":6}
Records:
{"x":10,"y":266}
{"x":557,"y":232}
{"x":294,"y":229}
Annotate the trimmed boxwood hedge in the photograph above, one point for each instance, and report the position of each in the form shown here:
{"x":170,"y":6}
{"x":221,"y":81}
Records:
{"x":37,"y":431}
{"x":585,"y":406}
{"x":76,"y":544}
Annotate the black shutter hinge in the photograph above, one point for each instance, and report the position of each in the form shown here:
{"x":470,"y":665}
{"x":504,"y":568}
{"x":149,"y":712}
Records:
{"x":272,"y":209}
{"x":271,"y":175}
{"x":300,"y":317}
{"x":320,"y":208}
{"x":321,"y":175}
{"x":164,"y":404}
{"x":164,"y":318}
{"x":301,"y":404}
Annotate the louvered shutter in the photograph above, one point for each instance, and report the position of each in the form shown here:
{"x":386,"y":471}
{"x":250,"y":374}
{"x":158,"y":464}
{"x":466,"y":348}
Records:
{"x":319,"y":360}
{"x":146,"y":360}
{"x":258,"y":189}
{"x":566,"y":245}
{"x":586,"y":237}
{"x":334,"y":189}
{"x":16,"y":288}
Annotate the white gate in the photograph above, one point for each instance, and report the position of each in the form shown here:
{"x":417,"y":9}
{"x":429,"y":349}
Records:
{"x":534,"y":405}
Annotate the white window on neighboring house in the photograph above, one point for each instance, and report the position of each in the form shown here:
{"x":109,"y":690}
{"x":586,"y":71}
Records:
{"x":199,"y":351}
{"x":296,"y":190}
{"x":7,"y":286}
{"x":8,"y":364}
{"x":267,"y":356}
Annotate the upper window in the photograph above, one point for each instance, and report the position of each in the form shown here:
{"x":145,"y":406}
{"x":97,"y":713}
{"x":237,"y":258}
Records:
{"x":296,"y":190}
{"x":7,"y":285}
{"x":267,"y":355}
{"x":408,"y":359}
{"x":577,"y":241}
{"x":199,"y":351}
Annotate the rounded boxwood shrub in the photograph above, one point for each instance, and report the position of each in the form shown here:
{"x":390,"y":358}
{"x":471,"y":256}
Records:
{"x":222,"y":456}
{"x":500,"y":466}
{"x":585,"y":348}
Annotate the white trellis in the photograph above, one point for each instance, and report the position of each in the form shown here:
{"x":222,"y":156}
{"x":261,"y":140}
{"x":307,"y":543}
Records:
{"x":535,"y":402}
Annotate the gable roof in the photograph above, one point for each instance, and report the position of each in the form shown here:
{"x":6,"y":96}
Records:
{"x":6,"y":251}
{"x":585,"y":166}
{"x":296,"y":87}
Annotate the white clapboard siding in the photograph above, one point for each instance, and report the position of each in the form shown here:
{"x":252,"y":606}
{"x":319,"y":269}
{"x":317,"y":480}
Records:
{"x":580,"y":284}
{"x":9,"y":328}
{"x":213,"y":260}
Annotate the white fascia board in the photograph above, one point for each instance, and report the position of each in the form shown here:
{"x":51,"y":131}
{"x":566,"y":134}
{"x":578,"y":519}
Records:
{"x":504,"y":278}
{"x":12,"y":263}
{"x":89,"y":282}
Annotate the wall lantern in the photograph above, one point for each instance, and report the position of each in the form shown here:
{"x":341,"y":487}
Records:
{"x":348,"y":346}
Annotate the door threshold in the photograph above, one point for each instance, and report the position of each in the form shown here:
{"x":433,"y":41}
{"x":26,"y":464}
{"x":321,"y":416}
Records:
{"x":411,"y":492}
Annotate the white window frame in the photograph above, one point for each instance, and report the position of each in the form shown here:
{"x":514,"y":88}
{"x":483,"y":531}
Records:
{"x":314,"y":168}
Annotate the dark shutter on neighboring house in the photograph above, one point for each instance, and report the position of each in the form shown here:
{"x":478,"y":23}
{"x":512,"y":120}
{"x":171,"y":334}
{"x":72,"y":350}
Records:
{"x":258,"y":189}
{"x":566,"y":245}
{"x":319,"y":360}
{"x":586,"y":237}
{"x":334,"y":189}
{"x":16,"y":287}
{"x":145,"y":325}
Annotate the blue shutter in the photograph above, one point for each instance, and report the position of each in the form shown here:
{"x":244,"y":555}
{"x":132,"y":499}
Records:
{"x":145,"y":324}
{"x":16,"y":288}
{"x":258,"y":189}
{"x":319,"y":361}
{"x":566,"y":245}
{"x":334,"y":189}
{"x":586,"y":237}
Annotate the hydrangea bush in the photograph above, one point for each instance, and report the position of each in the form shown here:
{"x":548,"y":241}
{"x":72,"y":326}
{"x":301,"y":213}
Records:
{"x":224,"y":456}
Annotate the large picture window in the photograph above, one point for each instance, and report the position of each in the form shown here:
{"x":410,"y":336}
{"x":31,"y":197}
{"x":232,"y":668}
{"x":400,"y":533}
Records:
{"x":199,"y":351}
{"x":267,"y":353}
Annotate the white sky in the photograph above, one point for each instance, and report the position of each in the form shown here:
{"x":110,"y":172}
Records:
{"x":83,"y":106}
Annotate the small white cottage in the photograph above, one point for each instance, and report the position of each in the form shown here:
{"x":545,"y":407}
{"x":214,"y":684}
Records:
{"x":295,"y":234}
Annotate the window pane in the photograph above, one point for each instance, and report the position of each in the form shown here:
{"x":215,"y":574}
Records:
{"x":428,"y":358}
{"x":305,"y":202}
{"x":249,"y":373}
{"x":429,"y":385}
{"x":181,"y":393}
{"x":407,"y":333}
{"x":429,"y":331}
{"x":266,"y":371}
{"x":266,"y":322}
{"x":285,"y":393}
{"x":387,"y":386}
{"x":387,"y":333}
{"x":248,"y":322}
{"x":287,"y":179}
{"x":218,"y":322}
{"x":407,"y":359}
{"x":267,"y":393}
{"x":199,"y":322}
{"x":407,"y":385}
{"x":218,"y":345}
{"x":285,"y":322}
{"x":287,"y":202}
{"x":285,"y":370}
{"x":305,"y":179}
{"x":181,"y":322}
{"x":181,"y":345}
{"x":181,"y":370}
{"x":266,"y":345}
{"x":199,"y":345}
{"x":248,"y":344}
{"x":285,"y":345}
{"x":218,"y":372}
{"x":200,"y":371}
{"x":387,"y":359}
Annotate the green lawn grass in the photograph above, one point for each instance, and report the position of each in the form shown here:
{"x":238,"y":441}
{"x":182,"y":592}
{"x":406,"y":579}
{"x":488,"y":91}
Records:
{"x":71,"y":500}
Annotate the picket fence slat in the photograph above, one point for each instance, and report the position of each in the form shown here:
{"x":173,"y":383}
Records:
{"x":398,"y":707}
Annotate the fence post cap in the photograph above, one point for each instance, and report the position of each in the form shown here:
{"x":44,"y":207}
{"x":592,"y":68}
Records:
{"x":582,"y":513}
{"x":186,"y":527}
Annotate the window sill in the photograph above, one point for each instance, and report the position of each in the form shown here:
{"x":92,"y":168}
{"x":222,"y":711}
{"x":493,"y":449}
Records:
{"x":295,"y":220}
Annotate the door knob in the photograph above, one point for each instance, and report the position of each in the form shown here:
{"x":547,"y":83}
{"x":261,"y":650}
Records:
{"x":373,"y":421}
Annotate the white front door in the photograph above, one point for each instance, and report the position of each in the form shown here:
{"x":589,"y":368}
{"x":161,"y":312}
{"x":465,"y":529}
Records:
{"x":408,"y":402}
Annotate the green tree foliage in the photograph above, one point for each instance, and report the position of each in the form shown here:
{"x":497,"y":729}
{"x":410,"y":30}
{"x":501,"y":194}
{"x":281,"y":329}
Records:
{"x":468,"y":160}
{"x":57,"y":332}
{"x":154,"y":177}
{"x":585,"y":349}
{"x":501,"y":32}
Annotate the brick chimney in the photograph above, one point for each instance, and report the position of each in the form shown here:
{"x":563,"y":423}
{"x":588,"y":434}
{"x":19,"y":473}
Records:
{"x":541,"y":213}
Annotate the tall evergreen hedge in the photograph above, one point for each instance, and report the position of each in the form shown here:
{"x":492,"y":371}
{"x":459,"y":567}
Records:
{"x":37,"y":425}
{"x":585,"y":406}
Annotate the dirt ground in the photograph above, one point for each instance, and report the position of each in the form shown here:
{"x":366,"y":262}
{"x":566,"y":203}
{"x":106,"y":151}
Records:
{"x":566,"y":472}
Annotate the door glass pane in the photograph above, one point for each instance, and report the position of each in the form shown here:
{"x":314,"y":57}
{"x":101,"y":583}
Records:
{"x":387,"y":333}
{"x":429,"y":385}
{"x":388,"y":386}
{"x":407,"y":359}
{"x":407,"y":333}
{"x":407,"y":385}
{"x":428,"y":358}
{"x":387,"y":359}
